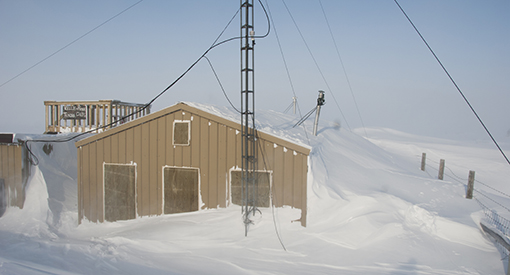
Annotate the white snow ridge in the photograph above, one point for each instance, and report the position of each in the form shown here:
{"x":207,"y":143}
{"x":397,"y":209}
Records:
{"x":371,"y":210}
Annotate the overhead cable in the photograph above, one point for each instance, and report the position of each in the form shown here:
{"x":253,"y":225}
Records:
{"x":72,"y":42}
{"x":343,"y":68}
{"x":454,"y":83}
{"x":316,"y":64}
{"x":283,"y":56}
{"x":221,"y":86}
{"x":214,"y":45}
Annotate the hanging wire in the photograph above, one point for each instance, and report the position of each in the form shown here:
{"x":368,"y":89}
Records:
{"x":283,"y":55}
{"x":219,"y":82}
{"x":343,"y":68}
{"x":455,"y":84}
{"x":305,"y":117}
{"x":213,"y":45}
{"x":288,"y":108}
{"x":316,"y":64}
{"x":72,"y":42}
{"x":273,"y":198}
{"x":286,"y":67}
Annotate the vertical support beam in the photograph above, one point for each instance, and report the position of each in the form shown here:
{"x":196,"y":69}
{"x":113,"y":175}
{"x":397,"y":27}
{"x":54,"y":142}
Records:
{"x":57,"y":118}
{"x":46,"y":118}
{"x":248,"y":145}
{"x":294,"y":100}
{"x":110,"y":116}
{"x":320,"y":102}
{"x":441,"y":169}
{"x":471,"y":184}
{"x":423,"y":160}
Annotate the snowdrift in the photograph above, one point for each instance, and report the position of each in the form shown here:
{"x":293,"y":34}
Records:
{"x":371,"y":210}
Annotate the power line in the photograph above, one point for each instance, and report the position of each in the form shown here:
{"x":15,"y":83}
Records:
{"x":283,"y":56}
{"x":72,"y":42}
{"x":219,"y":82}
{"x":273,"y":197}
{"x":316,"y":64}
{"x":286,"y":68}
{"x":343,"y":68}
{"x":454,"y":83}
{"x":214,"y":44}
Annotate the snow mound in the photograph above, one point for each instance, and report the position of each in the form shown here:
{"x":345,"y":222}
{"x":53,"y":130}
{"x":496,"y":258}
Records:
{"x":371,"y":210}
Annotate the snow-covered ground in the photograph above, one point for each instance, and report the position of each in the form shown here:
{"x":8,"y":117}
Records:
{"x":371,"y":210}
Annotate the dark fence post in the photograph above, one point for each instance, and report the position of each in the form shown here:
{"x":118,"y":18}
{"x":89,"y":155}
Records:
{"x":441,"y":169}
{"x":423,"y":159}
{"x":471,"y":183}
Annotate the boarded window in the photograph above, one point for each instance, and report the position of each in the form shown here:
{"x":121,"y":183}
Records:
{"x":181,"y":189}
{"x":181,"y":132}
{"x":260,"y":192}
{"x":119,"y":192}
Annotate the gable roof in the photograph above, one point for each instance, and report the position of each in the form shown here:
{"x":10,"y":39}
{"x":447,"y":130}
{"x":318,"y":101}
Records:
{"x":185,"y":107}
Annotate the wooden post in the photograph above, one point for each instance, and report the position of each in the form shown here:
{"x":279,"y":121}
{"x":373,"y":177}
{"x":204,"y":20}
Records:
{"x":471,"y":183}
{"x":441,"y":169}
{"x":423,"y":159}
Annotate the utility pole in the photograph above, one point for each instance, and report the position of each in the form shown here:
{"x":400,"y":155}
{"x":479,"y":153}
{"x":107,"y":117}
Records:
{"x":249,"y":184}
{"x":294,"y":99}
{"x":320,"y":102}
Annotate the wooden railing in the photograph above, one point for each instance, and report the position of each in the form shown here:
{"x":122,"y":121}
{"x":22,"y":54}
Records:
{"x":82,"y":116}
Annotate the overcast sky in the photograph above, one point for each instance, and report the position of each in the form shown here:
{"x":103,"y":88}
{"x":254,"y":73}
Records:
{"x":395,"y":80}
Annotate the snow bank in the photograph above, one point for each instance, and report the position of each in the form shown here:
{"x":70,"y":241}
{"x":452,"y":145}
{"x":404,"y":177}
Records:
{"x":370,"y":211}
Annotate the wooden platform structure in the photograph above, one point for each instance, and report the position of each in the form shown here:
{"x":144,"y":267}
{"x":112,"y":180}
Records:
{"x":82,"y":116}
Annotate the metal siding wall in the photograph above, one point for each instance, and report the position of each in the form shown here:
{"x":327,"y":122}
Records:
{"x":93,"y":184}
{"x":144,"y":171}
{"x":288,"y":177}
{"x":11,"y":172}
{"x":278,"y":176}
{"x":130,"y":157}
{"x":80,"y":183}
{"x":204,"y":161}
{"x":213,"y":165}
{"x":11,"y":178}
{"x":161,"y":161}
{"x":130,"y":146}
{"x":266,"y":162}
{"x":155,"y":186}
{"x":297,"y":182}
{"x":170,"y":152}
{"x":231,"y":143}
{"x":86,"y":182}
{"x":222,"y":166}
{"x":214,"y":148}
{"x":99,"y":179}
{"x":195,"y":141}
{"x":4,"y":171}
{"x":186,"y":150}
{"x":304,"y":188}
{"x":137,"y":157}
{"x":122,"y":147}
{"x":18,"y":178}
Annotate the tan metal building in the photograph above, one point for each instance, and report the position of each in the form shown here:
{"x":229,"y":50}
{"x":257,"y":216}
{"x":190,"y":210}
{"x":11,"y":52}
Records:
{"x":182,"y":159}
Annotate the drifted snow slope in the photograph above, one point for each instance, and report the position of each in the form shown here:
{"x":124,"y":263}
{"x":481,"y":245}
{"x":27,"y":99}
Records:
{"x":371,"y":210}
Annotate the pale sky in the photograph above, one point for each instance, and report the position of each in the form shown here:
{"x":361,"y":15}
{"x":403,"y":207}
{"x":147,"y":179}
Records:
{"x":396,"y":81}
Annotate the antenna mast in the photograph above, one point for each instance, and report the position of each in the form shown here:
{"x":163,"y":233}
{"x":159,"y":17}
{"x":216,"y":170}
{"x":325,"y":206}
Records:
{"x":249,"y":149}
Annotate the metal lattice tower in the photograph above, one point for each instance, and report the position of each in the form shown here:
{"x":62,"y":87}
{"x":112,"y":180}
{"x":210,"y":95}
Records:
{"x":248,"y":147}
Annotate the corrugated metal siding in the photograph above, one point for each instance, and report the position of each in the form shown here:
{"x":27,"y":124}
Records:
{"x":214,"y":148}
{"x":11,"y":172}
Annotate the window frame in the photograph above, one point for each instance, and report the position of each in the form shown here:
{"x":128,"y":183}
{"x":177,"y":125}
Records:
{"x":189,"y":132}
